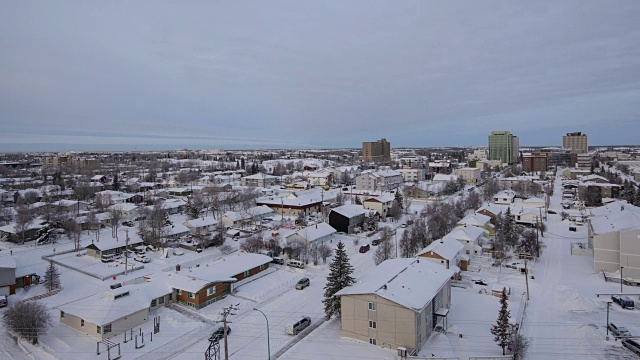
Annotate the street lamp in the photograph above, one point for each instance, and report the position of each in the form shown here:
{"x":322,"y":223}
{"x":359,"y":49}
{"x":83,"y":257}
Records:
{"x":621,"y":267}
{"x":269,"y":343}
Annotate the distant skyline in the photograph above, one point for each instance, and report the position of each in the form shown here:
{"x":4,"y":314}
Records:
{"x":156,"y":75}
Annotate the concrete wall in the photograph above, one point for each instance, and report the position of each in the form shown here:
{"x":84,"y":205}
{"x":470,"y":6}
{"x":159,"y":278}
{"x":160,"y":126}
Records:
{"x":117,"y":327}
{"x":630,"y":253}
{"x":606,"y":250}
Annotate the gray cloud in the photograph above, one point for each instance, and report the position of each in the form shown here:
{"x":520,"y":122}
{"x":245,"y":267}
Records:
{"x":317,"y":74}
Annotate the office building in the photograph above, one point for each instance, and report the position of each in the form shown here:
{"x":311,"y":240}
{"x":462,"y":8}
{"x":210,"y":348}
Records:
{"x":503,"y":146}
{"x":535,"y":162}
{"x":379,"y":151}
{"x":575,"y":141}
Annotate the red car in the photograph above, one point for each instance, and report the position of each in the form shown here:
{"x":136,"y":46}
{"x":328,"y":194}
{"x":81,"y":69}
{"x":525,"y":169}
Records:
{"x":365,"y":248}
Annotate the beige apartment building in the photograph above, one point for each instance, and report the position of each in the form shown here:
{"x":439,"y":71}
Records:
{"x":397,"y":304}
{"x":378,"y":151}
{"x":576,"y":141}
{"x":470,"y":175}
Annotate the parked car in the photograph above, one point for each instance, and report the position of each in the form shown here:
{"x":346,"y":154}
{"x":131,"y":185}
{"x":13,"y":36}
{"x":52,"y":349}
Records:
{"x":178,"y":251}
{"x":303,"y":283}
{"x":365,"y":248}
{"x":618,"y":331}
{"x":3,"y":300}
{"x":142,"y":259}
{"x":115,"y":286}
{"x":403,"y":225}
{"x":296,"y":263}
{"x":297,"y":327}
{"x":128,"y":223}
{"x":151,"y":248}
{"x":198,"y":249}
{"x":632,"y":345}
{"x":219,"y":333}
{"x":623,"y":301}
{"x":551,"y":212}
{"x":277,"y":260}
{"x":375,"y":242}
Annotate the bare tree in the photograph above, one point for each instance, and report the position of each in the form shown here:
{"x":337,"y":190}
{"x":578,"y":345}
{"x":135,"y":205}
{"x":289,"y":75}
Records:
{"x":518,"y":346}
{"x":28,"y":319}
{"x":385,"y":250}
{"x":24,"y":218}
{"x":195,"y":205}
{"x":490,"y":188}
{"x":73,"y":231}
{"x":6,"y":215}
{"x":324,"y":251}
{"x":252,"y":244}
{"x":116,"y":217}
{"x":339,"y":199}
{"x":408,"y":247}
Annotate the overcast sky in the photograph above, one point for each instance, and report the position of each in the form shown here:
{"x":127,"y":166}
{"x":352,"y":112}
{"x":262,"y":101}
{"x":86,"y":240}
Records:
{"x":315,"y":74}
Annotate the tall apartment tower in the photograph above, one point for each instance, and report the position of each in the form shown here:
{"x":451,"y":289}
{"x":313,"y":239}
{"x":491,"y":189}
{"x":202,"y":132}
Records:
{"x":379,"y":151}
{"x":504,"y":146}
{"x":576,"y":142}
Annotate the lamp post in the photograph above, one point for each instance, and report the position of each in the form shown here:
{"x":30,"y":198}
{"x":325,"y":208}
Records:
{"x":621,"y":267}
{"x":269,"y":343}
{"x":608,"y":303}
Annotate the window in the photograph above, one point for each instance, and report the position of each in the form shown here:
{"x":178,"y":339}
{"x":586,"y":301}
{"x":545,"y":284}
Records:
{"x":372,"y":306}
{"x":98,"y":329}
{"x":261,"y":267}
{"x":372,"y":341}
{"x":211,"y":291}
{"x":190,"y":295}
{"x":372,"y":324}
{"x":81,"y":322}
{"x":246,"y":273}
{"x":153,"y":303}
{"x":179,"y":292}
{"x":61,"y":314}
{"x":161,"y":300}
{"x":107,"y":328}
{"x":170,"y":296}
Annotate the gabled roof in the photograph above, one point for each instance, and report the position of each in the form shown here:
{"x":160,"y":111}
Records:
{"x":466,"y":233}
{"x":381,"y":199}
{"x":510,"y":194}
{"x":108,"y":243}
{"x":475,"y":220}
{"x":314,"y":232}
{"x":447,"y":248}
{"x":350,"y":211}
{"x":593,"y":177}
{"x":201,"y":222}
{"x":252,"y":212}
{"x":260,"y":176}
{"x":123,"y":207}
{"x":492,"y":208}
{"x":408,"y":282}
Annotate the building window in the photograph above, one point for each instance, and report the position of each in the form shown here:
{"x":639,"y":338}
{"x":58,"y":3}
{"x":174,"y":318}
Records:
{"x":246,"y":273}
{"x":372,"y":324}
{"x":61,"y":314}
{"x":153,"y":303}
{"x":179,"y":292}
{"x":81,"y":322}
{"x":161,"y":300}
{"x":372,"y":306}
{"x":262,"y":267}
{"x":98,"y":329}
{"x":211,"y":291}
{"x":107,"y":328}
{"x":190,"y":295}
{"x":372,"y":341}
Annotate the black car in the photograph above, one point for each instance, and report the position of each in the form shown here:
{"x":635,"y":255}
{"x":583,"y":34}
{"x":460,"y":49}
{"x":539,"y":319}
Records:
{"x":364,"y":248}
{"x":278,"y":261}
{"x":219,"y":333}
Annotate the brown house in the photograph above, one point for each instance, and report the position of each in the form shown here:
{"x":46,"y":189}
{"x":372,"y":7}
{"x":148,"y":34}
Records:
{"x":205,"y":284}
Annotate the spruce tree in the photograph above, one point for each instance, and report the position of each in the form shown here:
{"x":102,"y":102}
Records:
{"x":500,"y":330}
{"x":339,"y":278}
{"x":52,"y":277}
{"x":116,"y":183}
{"x":399,"y":199}
{"x":630,"y":193}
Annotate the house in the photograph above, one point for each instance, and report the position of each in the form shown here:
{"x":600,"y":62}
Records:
{"x":250,"y":216}
{"x":614,"y":235}
{"x":99,"y":178}
{"x":470,"y":174}
{"x":120,"y":309}
{"x":381,"y":180}
{"x":504,"y":197}
{"x":127,"y":211}
{"x":423,"y":190}
{"x":16,"y":274}
{"x":10,"y":233}
{"x":259,"y":180}
{"x":440,"y":167}
{"x":594,"y":178}
{"x":103,"y":218}
{"x":70,"y":206}
{"x":448,"y":253}
{"x":201,"y":226}
{"x":399,"y":303}
{"x":203,"y":285}
{"x":526,"y":216}
{"x":412,"y":175}
{"x":443,"y":178}
{"x":478,"y":220}
{"x":347,"y":218}
{"x":175,"y":231}
{"x":534,"y":203}
{"x":318,"y":233}
{"x":470,"y":236}
{"x":491,"y":210}
{"x":380,"y":204}
{"x":108,"y":245}
{"x":319,"y":178}
{"x":306,"y":202}
{"x":605,"y":190}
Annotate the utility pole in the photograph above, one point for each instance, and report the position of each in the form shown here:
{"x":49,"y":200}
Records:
{"x":225,"y":313}
{"x":126,"y":251}
{"x":608,"y":303}
{"x":526,"y":276}
{"x":541,"y":231}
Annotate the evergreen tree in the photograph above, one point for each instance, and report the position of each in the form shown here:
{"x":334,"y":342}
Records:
{"x":636,"y":202}
{"x":116,"y":184}
{"x":399,"y":199}
{"x":500,"y":330}
{"x":508,"y":230}
{"x":339,"y":278}
{"x":51,"y":277}
{"x":358,"y":201}
{"x":630,"y":194}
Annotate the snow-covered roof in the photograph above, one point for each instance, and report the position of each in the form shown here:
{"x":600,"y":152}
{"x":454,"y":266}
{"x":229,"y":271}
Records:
{"x":592,"y":177}
{"x":350,"y":210}
{"x":252,"y":212}
{"x":447,"y":248}
{"x":7,"y":262}
{"x":314,"y":232}
{"x":618,"y":218}
{"x":492,"y":208}
{"x":298,"y":198}
{"x":509,"y":194}
{"x":175,"y":229}
{"x":443,"y":177}
{"x":382,"y":198}
{"x":475,"y":220}
{"x":408,"y":282}
{"x":260,"y":176}
{"x":201,"y":222}
{"x":102,"y":309}
{"x":108,"y":243}
{"x":466,"y":233}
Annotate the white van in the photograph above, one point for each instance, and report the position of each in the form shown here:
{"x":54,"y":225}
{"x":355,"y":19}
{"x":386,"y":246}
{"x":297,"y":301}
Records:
{"x":296,"y":264}
{"x":297,"y":327}
{"x":106,"y":258}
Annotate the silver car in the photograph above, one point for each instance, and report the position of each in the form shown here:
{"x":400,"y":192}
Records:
{"x":618,"y":331}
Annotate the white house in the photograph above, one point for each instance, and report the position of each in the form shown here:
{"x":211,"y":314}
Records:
{"x":470,"y":236}
{"x":380,"y":204}
{"x":381,"y":180}
{"x":201,"y":226}
{"x":319,"y":178}
{"x":127,"y":211}
{"x":241,"y":218}
{"x":443,"y":178}
{"x":447,"y":252}
{"x":318,"y":233}
{"x":505,"y":197}
{"x":259,"y":180}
